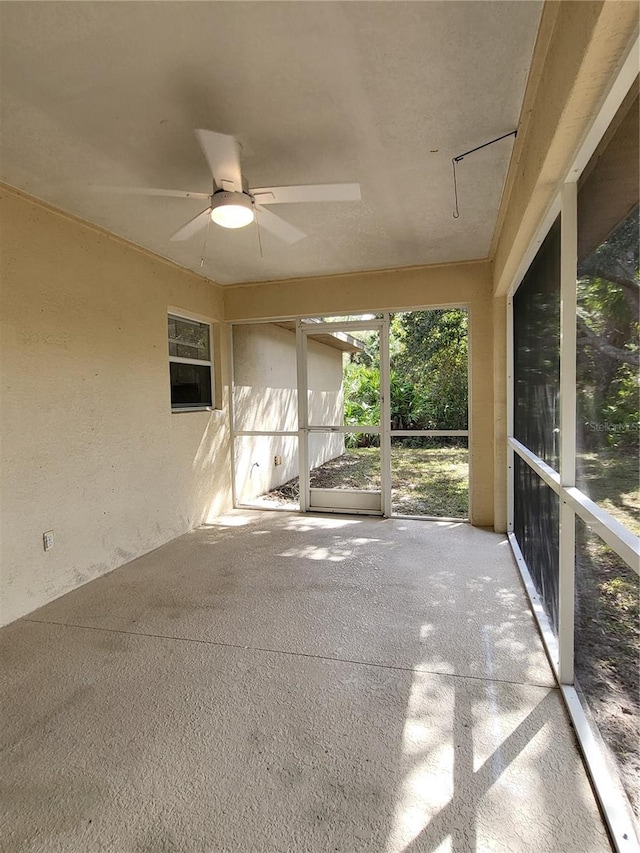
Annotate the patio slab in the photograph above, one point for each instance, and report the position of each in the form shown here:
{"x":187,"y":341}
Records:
{"x":438,"y":597}
{"x":136,"y":743}
{"x":278,"y":682}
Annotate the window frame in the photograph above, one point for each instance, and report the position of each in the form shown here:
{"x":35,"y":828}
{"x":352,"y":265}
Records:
{"x":199,"y":362}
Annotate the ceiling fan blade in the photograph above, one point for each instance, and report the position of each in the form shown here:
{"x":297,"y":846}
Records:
{"x":313,"y":192}
{"x":192,"y":226}
{"x":150,"y":191}
{"x":272,"y":223}
{"x":223,"y":156}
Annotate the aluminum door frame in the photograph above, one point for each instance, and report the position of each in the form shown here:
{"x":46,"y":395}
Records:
{"x":348,"y":501}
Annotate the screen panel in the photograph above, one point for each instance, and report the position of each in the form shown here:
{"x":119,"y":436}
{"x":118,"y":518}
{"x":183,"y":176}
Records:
{"x":343,"y":378}
{"x":537,"y":529}
{"x":429,"y":369}
{"x":265,"y":380}
{"x":430,"y":476}
{"x":607,"y":650}
{"x":536,"y":353}
{"x":608,"y":304}
{"x":267,"y":471}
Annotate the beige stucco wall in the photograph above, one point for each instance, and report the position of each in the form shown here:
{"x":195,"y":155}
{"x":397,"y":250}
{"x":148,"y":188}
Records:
{"x":467,"y":284}
{"x":266,"y":398}
{"x":89,"y":446}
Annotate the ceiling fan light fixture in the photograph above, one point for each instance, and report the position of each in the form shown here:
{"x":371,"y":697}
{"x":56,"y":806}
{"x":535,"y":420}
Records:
{"x":232,"y":209}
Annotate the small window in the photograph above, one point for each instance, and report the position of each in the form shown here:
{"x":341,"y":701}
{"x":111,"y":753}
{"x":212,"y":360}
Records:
{"x":190,"y":363}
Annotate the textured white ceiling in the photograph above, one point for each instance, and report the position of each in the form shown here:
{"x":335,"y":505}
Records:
{"x":384,"y":93}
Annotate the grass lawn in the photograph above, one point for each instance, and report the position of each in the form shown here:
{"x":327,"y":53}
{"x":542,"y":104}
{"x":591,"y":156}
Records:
{"x":610,"y":477}
{"x":425,"y":481}
{"x":433,"y":481}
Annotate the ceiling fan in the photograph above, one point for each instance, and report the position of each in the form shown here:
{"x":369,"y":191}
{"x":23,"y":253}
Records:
{"x":233,"y":205}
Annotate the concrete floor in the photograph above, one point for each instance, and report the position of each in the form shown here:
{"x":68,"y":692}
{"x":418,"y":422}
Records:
{"x":278,"y":682}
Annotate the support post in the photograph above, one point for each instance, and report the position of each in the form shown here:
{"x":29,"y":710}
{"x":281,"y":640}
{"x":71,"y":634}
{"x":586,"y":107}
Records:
{"x":385,"y":417}
{"x":568,"y":276}
{"x":510,"y":394}
{"x":303,"y":417}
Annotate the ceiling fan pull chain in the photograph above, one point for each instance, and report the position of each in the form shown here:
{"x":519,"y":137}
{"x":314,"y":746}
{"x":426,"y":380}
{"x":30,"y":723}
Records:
{"x":204,"y":245}
{"x":455,"y":160}
{"x":259,"y":235}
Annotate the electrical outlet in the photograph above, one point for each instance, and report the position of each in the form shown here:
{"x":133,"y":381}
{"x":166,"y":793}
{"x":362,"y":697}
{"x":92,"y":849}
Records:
{"x":277,"y":460}
{"x":47,"y":540}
